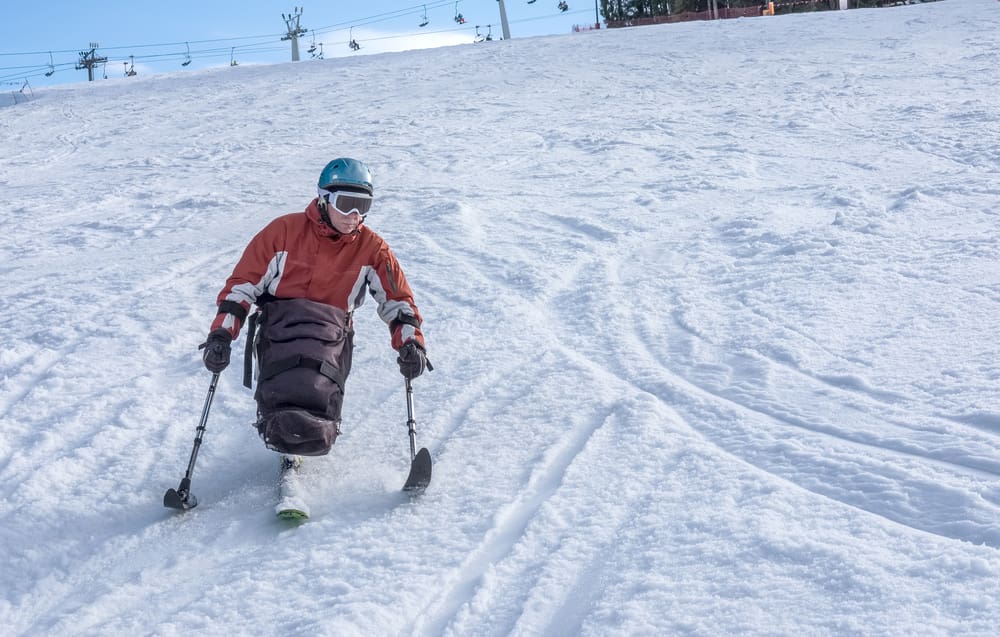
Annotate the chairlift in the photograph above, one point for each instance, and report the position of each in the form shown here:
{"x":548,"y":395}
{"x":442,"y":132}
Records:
{"x":352,"y":43}
{"x":484,"y":37}
{"x":426,"y":21}
{"x":320,"y":56}
{"x":52,"y":67}
{"x":563,"y":6}
{"x":459,"y":18}
{"x":130,"y":67}
{"x":312,"y":48}
{"x":232,"y":57}
{"x":187,"y":55}
{"x":532,"y":1}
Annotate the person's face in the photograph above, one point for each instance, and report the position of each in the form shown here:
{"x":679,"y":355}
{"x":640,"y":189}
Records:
{"x":344,"y":224}
{"x":345,"y":209}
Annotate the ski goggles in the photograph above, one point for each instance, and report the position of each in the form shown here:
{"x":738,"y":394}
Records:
{"x":347,"y":203}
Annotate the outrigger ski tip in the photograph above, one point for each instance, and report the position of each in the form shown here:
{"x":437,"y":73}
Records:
{"x":174,"y":500}
{"x":420,"y":472}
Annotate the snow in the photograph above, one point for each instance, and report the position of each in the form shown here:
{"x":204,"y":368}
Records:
{"x":712,"y":309}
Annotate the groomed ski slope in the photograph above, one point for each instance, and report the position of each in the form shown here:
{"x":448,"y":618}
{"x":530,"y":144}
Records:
{"x":713,"y":310}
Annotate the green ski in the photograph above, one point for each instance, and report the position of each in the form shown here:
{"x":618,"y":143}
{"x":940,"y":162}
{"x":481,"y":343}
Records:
{"x":291,"y":505}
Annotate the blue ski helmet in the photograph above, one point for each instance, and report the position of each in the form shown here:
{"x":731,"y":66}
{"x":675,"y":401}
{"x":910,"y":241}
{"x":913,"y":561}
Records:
{"x":345,"y":171}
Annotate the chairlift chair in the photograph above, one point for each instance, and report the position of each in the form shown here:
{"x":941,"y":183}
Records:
{"x":484,"y":37}
{"x":187,"y":55}
{"x":52,"y":67}
{"x":426,"y":21}
{"x":563,"y":6}
{"x":459,"y":18}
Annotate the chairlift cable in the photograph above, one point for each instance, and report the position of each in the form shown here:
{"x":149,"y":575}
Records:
{"x":259,"y":46}
{"x":265,"y":37}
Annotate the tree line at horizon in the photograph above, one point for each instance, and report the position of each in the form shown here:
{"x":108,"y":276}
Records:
{"x":622,"y":10}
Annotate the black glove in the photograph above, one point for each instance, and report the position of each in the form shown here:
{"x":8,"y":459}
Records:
{"x":217,"y":348}
{"x":412,"y":360}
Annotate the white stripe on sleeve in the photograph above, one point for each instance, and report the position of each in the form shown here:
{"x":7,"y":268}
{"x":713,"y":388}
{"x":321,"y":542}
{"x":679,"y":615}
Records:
{"x":249,"y":292}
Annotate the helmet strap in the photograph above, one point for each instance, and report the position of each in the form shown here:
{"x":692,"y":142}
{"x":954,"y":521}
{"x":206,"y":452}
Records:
{"x":324,"y":214}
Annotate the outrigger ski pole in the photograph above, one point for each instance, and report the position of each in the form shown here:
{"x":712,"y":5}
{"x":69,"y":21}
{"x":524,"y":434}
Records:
{"x":181,"y":498}
{"x":420,"y":461}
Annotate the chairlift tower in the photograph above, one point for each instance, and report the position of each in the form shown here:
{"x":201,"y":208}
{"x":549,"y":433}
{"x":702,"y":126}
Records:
{"x":503,"y":21}
{"x":294,"y":31}
{"x":89,"y":59}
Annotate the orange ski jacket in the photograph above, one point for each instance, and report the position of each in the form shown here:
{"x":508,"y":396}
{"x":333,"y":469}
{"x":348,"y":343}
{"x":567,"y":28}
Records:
{"x":299,"y":256}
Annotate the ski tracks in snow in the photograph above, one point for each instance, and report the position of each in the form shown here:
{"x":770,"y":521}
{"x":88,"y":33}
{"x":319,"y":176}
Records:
{"x":561,"y":515}
{"x":559,"y":522}
{"x":833,"y":434}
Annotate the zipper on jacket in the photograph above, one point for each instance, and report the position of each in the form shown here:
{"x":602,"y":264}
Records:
{"x":392,"y":279}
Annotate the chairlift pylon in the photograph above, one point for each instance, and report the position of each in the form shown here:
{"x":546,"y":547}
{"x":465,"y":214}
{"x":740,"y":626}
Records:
{"x":187,"y":55}
{"x":52,"y":66}
{"x":426,"y":21}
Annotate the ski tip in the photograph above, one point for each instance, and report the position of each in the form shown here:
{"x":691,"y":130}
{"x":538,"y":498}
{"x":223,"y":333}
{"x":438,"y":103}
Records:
{"x":295,"y":515}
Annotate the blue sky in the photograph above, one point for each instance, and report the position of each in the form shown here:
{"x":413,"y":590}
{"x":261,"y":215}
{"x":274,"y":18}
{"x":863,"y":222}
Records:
{"x":159,"y":35}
